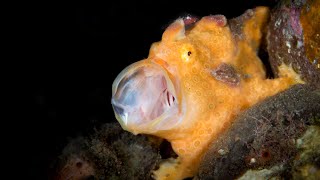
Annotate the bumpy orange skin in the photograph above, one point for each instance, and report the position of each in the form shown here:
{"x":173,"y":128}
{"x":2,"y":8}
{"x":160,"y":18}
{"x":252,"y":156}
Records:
{"x":311,"y":35}
{"x":191,"y":56}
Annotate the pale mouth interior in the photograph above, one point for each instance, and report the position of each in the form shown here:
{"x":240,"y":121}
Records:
{"x":142,"y":95}
{"x":161,"y":101}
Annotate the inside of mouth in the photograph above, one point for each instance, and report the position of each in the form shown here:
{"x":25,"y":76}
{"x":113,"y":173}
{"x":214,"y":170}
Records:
{"x":163,"y":102}
{"x":143,"y":95}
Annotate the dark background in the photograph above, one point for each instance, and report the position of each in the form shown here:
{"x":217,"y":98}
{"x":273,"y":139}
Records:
{"x":79,"y":50}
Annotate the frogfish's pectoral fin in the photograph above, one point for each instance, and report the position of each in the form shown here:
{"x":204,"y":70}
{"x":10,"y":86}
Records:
{"x":171,"y":169}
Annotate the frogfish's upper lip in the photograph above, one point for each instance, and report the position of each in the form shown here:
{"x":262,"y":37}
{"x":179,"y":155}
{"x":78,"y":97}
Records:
{"x":131,"y":69}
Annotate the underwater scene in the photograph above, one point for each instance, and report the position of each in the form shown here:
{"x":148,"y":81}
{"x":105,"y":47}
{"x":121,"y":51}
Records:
{"x":187,"y":91}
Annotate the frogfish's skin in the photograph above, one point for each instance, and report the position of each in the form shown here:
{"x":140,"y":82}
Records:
{"x":194,"y":83}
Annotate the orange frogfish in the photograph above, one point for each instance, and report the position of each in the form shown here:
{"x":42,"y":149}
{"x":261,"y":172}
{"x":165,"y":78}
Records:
{"x":193,"y":84}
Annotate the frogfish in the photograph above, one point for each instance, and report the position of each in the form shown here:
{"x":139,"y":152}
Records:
{"x":193,"y":84}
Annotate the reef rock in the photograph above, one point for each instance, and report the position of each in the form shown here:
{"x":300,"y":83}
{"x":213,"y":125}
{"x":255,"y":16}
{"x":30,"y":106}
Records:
{"x":109,"y":153}
{"x":293,"y":39}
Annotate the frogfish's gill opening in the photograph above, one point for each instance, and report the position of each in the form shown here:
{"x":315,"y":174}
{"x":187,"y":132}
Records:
{"x":166,"y":150}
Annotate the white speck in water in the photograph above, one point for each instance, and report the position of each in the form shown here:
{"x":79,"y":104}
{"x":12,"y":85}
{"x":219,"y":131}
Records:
{"x":221,"y":152}
{"x":277,"y":55}
{"x":299,"y":44}
{"x":253,"y":160}
{"x":299,"y":142}
{"x":278,"y":22}
{"x":289,"y":46}
{"x":315,"y":61}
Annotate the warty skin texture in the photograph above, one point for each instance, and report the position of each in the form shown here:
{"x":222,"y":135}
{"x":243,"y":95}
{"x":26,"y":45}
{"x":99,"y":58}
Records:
{"x":213,"y":72}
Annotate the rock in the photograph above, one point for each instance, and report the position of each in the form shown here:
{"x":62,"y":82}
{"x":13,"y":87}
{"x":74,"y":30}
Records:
{"x":110,"y":153}
{"x":293,"y":38}
{"x":266,"y":140}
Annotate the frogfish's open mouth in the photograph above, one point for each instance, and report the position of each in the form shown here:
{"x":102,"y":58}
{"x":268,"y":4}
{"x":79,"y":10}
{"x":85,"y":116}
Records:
{"x":144,"y":98}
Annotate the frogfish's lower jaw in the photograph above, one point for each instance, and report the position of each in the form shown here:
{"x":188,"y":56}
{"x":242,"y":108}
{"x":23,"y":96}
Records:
{"x":144,"y":98}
